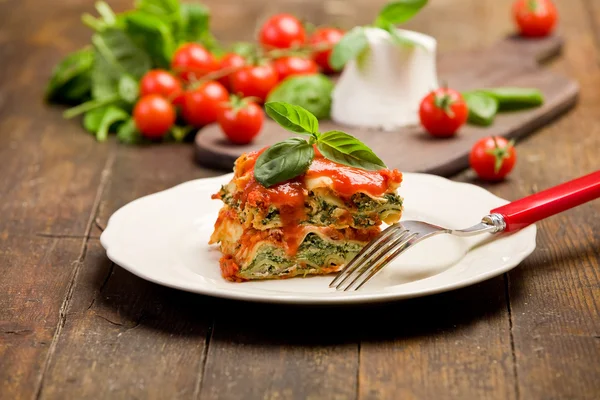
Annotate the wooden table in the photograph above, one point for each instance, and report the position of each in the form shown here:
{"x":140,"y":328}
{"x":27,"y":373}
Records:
{"x":74,"y":326}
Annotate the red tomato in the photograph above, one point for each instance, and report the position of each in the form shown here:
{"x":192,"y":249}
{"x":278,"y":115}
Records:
{"x":282,"y":31}
{"x":201,"y":105}
{"x":293,"y":65}
{"x":442,"y":112}
{"x":327,"y":37}
{"x":535,"y":18}
{"x":241,"y":121}
{"x":254,"y":81}
{"x":158,"y":81}
{"x":492,"y":158}
{"x":191,"y":61}
{"x":153,"y":116}
{"x":230,"y":61}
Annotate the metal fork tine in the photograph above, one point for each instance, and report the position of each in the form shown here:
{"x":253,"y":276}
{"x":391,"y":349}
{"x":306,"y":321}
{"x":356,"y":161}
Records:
{"x":364,"y":266}
{"x":351,"y":267}
{"x":386,"y":259}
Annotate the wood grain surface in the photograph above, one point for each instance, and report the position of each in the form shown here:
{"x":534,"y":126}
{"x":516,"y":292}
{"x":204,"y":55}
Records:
{"x":511,"y":61}
{"x":73,"y":325}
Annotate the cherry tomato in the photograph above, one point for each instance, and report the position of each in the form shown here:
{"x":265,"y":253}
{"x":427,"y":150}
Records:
{"x":442,"y":112}
{"x":241,"y":120}
{"x":201,"y":105}
{"x":254,"y":81}
{"x":230,"y":61}
{"x":327,"y":37}
{"x":158,"y":81}
{"x":293,"y":65}
{"x":282,"y":31}
{"x":492,"y":158}
{"x":153,"y":116}
{"x":191,"y":61}
{"x":534,"y":18}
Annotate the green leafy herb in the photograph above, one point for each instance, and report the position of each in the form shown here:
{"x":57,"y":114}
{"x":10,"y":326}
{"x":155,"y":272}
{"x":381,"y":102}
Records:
{"x":282,"y":161}
{"x":482,"y":108}
{"x":165,"y":8}
{"x":398,"y":12}
{"x":349,"y":47}
{"x":293,"y":118}
{"x":70,"y":80}
{"x":128,"y":89}
{"x":128,"y":133}
{"x":152,"y":34}
{"x":292,"y":157}
{"x":121,"y":54}
{"x":346,"y":149}
{"x":93,"y":118}
{"x":101,"y":81}
{"x":311,"y":92}
{"x":110,"y":117}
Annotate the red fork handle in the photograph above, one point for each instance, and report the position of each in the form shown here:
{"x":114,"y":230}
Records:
{"x":528,"y":210}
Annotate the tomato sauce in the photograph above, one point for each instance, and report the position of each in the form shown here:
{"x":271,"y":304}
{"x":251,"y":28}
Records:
{"x":348,"y":180}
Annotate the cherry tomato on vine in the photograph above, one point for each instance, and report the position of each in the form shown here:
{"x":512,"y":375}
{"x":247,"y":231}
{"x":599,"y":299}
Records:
{"x":282,"y":31}
{"x":201,"y":105}
{"x":153,"y":116}
{"x":326,"y":37}
{"x":492,"y":158}
{"x":191,"y":61}
{"x":161,"y":82}
{"x":230,"y":61}
{"x":254,"y":81}
{"x":442,"y":112}
{"x":241,"y":120}
{"x":535,"y":18}
{"x":294,"y":65}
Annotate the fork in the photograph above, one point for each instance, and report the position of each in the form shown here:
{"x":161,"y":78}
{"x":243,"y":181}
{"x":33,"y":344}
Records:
{"x":511,"y":217}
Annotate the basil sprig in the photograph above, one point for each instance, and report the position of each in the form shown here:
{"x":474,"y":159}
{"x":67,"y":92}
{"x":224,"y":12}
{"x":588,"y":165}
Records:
{"x":354,"y":43}
{"x":292,"y":157}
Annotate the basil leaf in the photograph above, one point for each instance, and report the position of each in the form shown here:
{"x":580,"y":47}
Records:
{"x":292,"y":118}
{"x":121,"y":54}
{"x":282,"y":161}
{"x":111,"y":116}
{"x":153,"y":35}
{"x":128,"y":133}
{"x":115,"y":56}
{"x":515,"y":98}
{"x":398,"y":12}
{"x":93,"y":118}
{"x":71,"y":78}
{"x":311,"y":92}
{"x":346,"y":149}
{"x":107,"y":14}
{"x":128,"y":89}
{"x":166,"y":8}
{"x":349,"y":47}
{"x":482,"y":108}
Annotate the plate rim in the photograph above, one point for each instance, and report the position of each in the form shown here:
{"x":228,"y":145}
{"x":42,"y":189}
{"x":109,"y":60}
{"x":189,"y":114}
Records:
{"x":326,"y":298}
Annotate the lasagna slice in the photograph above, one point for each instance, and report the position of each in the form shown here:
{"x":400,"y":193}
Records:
{"x":310,"y":225}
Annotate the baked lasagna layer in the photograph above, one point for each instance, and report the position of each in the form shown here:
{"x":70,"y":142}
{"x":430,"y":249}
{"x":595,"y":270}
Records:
{"x":328,"y":194}
{"x":250,"y":254}
{"x":313,"y":224}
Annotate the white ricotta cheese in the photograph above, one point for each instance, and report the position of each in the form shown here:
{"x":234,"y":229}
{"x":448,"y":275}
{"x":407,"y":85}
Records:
{"x":383,"y":88}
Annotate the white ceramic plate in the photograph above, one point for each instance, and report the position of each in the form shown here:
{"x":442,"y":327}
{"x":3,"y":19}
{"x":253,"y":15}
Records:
{"x":163,"y":238}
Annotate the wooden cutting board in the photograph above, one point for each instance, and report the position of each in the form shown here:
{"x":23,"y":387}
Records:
{"x":511,"y":62}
